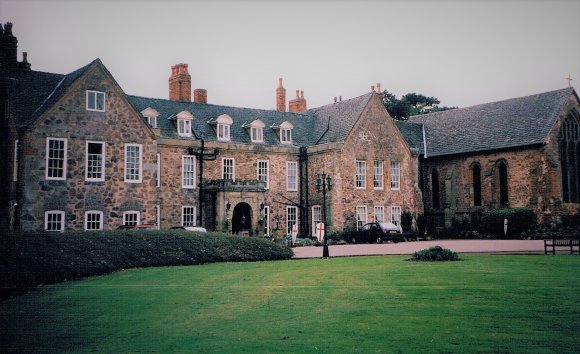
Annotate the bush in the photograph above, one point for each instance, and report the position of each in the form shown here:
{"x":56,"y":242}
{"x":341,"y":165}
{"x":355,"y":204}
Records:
{"x":406,"y":221}
{"x":303,"y":242}
{"x":435,"y":253}
{"x":30,"y":259}
{"x":519,"y":220}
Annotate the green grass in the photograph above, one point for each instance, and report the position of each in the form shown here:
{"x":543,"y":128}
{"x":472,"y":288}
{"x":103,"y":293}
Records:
{"x":363,"y":304}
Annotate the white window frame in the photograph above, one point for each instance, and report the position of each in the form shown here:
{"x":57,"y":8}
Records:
{"x":47,"y":222}
{"x":291,"y":186}
{"x":395,"y":175}
{"x":223,"y":132}
{"x":188,"y":176}
{"x":139,"y":178}
{"x":316,"y":217}
{"x":286,"y":136}
{"x":378,"y":175}
{"x":361,"y":216}
{"x":233,"y":167}
{"x":137,"y":215}
{"x":192,"y":216}
{"x":266,"y":220}
{"x":360,"y":174}
{"x":15,"y":162}
{"x":102,"y":157}
{"x":260,"y":175}
{"x":396,"y":215}
{"x":63,"y":159}
{"x":184,"y":127}
{"x":96,"y":94}
{"x":257,"y":134}
{"x":379,"y":213}
{"x":288,"y":220}
{"x":99,"y":222}
{"x":152,"y":121}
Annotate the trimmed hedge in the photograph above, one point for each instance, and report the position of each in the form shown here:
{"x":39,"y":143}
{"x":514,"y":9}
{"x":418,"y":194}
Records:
{"x":435,"y":254}
{"x":30,"y":259}
{"x":519,"y":220}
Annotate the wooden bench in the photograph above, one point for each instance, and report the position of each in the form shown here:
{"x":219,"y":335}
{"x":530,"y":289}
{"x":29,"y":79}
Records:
{"x":552,"y":244}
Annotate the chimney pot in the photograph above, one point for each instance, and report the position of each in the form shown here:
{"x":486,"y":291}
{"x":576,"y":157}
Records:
{"x":379,"y":87}
{"x":25,"y":57}
{"x":280,"y":82}
{"x":301,"y":94}
{"x":335,"y":99}
{"x":340,"y":98}
{"x":373,"y":88}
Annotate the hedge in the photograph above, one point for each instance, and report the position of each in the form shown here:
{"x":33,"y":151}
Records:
{"x":519,"y":220}
{"x":30,"y":259}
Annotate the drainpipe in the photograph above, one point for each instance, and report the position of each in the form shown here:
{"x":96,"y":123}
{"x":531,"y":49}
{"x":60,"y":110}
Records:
{"x":303,"y":173}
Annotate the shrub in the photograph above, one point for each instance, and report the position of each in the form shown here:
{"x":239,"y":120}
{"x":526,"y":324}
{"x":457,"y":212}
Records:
{"x":303,"y":242}
{"x":30,"y":259}
{"x":519,"y":220}
{"x":435,"y":253}
{"x":407,"y":221}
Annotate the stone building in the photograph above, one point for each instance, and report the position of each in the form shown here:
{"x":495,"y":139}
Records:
{"x":80,"y":154}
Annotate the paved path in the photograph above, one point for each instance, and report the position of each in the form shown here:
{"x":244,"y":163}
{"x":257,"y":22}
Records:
{"x":460,"y":246}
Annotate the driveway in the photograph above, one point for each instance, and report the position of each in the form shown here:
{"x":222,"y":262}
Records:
{"x":460,"y":246}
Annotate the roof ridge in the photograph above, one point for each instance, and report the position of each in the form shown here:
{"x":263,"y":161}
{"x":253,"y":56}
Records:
{"x":369,"y":94}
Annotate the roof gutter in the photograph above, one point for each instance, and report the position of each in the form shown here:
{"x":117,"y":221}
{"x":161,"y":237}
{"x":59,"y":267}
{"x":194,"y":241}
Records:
{"x":424,"y":141}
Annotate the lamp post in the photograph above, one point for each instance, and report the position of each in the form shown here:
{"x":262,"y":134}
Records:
{"x":323,"y":184}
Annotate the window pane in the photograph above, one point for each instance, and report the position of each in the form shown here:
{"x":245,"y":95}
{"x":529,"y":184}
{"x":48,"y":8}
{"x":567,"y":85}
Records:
{"x":395,"y":174}
{"x":188,"y":217}
{"x":291,"y":176}
{"x":132,"y":163}
{"x":378,"y":174}
{"x":55,"y":159}
{"x":361,"y":216}
{"x":188,"y":171}
{"x":94,"y":161}
{"x":360,"y":174}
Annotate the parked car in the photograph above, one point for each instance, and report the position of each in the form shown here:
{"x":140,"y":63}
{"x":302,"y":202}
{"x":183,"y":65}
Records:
{"x":196,"y":228}
{"x":138,"y":227}
{"x":376,"y":232}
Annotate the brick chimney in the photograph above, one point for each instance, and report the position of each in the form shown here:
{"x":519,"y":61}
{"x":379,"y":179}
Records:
{"x":280,"y":97}
{"x":298,"y":104}
{"x":200,"y":96}
{"x":180,"y":83}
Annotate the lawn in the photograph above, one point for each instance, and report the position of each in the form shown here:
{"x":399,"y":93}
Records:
{"x":363,"y":304}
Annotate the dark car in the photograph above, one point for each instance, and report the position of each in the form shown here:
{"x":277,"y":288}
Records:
{"x":376,"y":232}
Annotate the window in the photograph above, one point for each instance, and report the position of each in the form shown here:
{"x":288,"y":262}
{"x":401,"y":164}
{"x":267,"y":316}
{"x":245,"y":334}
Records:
{"x":360,"y":174}
{"x":228,"y":169}
{"x":291,"y":176}
{"x":291,"y":218}
{"x":93,"y":220}
{"x":95,"y":101}
{"x":152,"y":121}
{"x":396,"y":215}
{"x":264,"y":172}
{"x":223,"y":132}
{"x":378,"y":174}
{"x":476,"y":184}
{"x":286,"y":136}
{"x":435,"y":189}
{"x":131,"y":218}
{"x":503,"y":183}
{"x":188,"y":171}
{"x":184,"y":127}
{"x":15,"y":162}
{"x":54,"y":220}
{"x":316,"y":218}
{"x":56,"y":158}
{"x":257,"y":134}
{"x":188,"y":216}
{"x":361,"y":216}
{"x":266,"y":216}
{"x":380,"y":213}
{"x":570,"y":158}
{"x":395,"y":175}
{"x":94,"y":169}
{"x":133,"y":163}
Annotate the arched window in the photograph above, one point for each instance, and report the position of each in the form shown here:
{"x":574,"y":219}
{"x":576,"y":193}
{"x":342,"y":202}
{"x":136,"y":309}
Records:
{"x":503,"y":183}
{"x":570,"y":158}
{"x":476,"y":183}
{"x":435,"y":189}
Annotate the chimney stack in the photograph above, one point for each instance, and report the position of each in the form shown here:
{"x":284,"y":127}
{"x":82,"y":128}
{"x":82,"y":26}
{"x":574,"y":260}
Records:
{"x":200,"y":96}
{"x":373,"y":88}
{"x":280,"y":97}
{"x":379,"y":87}
{"x":298,"y":104}
{"x":180,"y":83}
{"x":335,"y":99}
{"x":8,"y":48}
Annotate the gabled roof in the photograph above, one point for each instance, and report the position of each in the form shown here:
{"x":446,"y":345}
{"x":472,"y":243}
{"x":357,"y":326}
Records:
{"x":413,"y":134}
{"x":31,"y":93}
{"x":504,"y":124}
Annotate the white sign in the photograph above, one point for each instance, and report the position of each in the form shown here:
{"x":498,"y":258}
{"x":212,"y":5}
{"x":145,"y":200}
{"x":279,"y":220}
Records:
{"x":320,"y":231}
{"x":294,"y":233}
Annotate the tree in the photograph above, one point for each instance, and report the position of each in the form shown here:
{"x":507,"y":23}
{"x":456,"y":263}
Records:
{"x":411,"y":104}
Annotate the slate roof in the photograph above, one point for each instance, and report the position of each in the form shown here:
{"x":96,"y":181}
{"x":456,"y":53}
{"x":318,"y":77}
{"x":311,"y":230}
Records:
{"x":413,"y":134}
{"x":516,"y":122}
{"x":32,"y":92}
{"x":309,"y":126}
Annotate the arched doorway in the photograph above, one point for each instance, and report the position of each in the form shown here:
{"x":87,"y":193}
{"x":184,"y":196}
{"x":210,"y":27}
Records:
{"x":242,"y":219}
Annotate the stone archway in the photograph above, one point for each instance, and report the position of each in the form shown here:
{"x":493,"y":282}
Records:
{"x":242,"y":219}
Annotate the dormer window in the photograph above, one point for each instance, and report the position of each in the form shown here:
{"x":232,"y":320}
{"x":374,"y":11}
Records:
{"x":184,"y":119}
{"x":223,"y":126}
{"x":150,"y":116}
{"x":256,"y":130}
{"x":285,"y":132}
{"x":95,"y":101}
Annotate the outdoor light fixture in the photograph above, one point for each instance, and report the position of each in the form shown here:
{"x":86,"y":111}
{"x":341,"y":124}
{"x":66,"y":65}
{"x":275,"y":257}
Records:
{"x":262,"y":206}
{"x":324,"y":184}
{"x":243,"y":219}
{"x":228,"y":206}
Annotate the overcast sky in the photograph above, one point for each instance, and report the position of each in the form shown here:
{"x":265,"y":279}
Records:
{"x":463,"y":52}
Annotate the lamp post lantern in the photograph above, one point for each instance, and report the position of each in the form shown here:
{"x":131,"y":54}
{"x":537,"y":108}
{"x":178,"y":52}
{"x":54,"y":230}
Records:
{"x":324,"y":184}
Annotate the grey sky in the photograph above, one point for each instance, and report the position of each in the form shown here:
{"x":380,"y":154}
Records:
{"x":464,"y":53}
